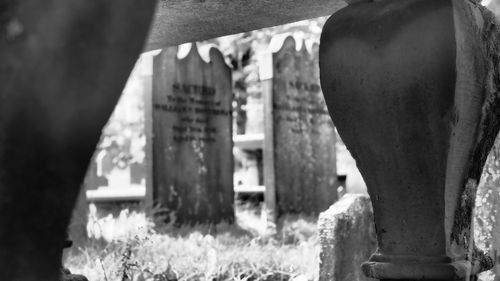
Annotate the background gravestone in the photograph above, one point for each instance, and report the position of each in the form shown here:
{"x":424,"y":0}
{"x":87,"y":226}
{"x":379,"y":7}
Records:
{"x":192,"y":144}
{"x":302,"y":133}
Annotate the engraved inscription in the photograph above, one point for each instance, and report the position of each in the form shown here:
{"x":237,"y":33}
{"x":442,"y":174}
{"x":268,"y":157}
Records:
{"x":302,"y":108}
{"x":196,"y":105}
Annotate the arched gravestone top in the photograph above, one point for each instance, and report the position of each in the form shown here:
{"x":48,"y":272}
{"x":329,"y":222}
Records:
{"x":302,"y":133}
{"x":192,"y":128}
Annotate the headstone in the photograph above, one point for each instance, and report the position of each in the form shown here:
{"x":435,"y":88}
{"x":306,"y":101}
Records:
{"x":247,"y":171}
{"x":77,"y":228}
{"x":192,"y":144}
{"x":254,"y":110}
{"x":108,"y":160}
{"x":299,"y":129}
{"x":137,"y":172}
{"x":347,"y":238}
{"x":92,"y":179}
{"x":147,"y":85}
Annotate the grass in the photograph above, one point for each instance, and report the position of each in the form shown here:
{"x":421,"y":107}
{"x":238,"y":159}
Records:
{"x":132,"y":247}
{"x":244,"y":251}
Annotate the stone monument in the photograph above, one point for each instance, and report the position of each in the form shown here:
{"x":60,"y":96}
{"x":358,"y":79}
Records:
{"x":192,"y":145}
{"x":299,"y":146}
{"x":413,"y":88}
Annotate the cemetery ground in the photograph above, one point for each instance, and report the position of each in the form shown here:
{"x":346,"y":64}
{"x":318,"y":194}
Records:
{"x":146,"y":249}
{"x":134,"y":247}
{"x":152,"y":250}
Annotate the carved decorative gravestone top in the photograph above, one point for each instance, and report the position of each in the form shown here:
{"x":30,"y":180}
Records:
{"x":299,"y":129}
{"x":192,"y":145}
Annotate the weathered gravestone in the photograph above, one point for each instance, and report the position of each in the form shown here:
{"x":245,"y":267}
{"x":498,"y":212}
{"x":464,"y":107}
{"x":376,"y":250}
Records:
{"x":192,"y":144}
{"x":299,"y":146}
{"x":77,"y":229}
{"x":347,"y":238}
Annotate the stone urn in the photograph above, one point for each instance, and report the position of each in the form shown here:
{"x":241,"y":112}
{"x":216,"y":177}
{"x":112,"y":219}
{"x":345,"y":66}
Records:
{"x":413,"y":89}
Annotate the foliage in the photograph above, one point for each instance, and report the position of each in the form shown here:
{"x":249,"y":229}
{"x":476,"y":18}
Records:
{"x":221,"y":252}
{"x":494,"y":6}
{"x":487,"y":214}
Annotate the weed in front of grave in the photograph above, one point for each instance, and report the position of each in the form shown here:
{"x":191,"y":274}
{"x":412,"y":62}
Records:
{"x":203,"y":252}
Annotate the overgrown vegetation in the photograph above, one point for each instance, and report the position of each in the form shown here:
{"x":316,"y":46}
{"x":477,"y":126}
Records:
{"x":203,"y":252}
{"x":487,"y":213}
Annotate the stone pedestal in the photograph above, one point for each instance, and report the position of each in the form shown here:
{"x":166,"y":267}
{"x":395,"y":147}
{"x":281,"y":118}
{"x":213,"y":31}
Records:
{"x":412,"y":87}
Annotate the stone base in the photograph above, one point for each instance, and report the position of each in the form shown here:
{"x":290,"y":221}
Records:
{"x":418,"y":268}
{"x":408,"y":267}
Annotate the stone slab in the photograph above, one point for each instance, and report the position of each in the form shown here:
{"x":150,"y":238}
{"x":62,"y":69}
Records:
{"x":192,"y":129}
{"x":347,"y":238}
